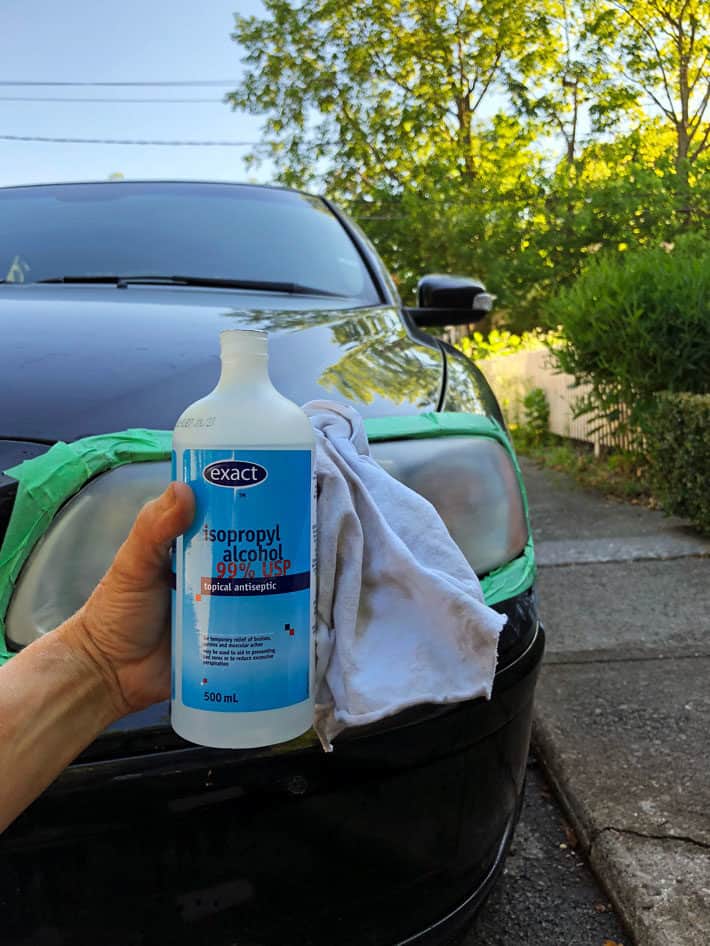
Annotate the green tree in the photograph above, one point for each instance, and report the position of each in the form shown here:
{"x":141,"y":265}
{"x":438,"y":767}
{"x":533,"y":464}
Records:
{"x":394,"y":106}
{"x":435,"y":123}
{"x":371,"y":94}
{"x":620,"y":195}
{"x":659,"y":51}
{"x":573,"y":89}
{"x":452,"y":226}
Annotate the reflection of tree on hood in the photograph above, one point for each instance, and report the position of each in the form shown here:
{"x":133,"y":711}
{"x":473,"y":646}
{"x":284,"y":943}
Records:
{"x":272,"y":320}
{"x":380,"y":358}
{"x":374,"y":365}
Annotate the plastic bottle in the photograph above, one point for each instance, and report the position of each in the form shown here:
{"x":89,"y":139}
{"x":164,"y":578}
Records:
{"x":244,"y":600}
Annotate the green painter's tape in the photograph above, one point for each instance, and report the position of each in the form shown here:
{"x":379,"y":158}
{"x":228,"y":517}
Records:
{"x":46,"y":482}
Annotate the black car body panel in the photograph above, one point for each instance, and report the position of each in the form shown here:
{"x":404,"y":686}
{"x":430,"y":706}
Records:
{"x":146,"y":840}
{"x":92,"y":359}
{"x":367,"y":846}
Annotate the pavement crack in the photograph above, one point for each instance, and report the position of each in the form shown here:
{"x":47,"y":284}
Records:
{"x":681,"y":838}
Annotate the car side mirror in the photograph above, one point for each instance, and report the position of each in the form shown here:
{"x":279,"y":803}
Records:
{"x":450,"y":300}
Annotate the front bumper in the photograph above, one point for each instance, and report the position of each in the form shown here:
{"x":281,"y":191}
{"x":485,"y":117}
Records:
{"x":394,"y":838}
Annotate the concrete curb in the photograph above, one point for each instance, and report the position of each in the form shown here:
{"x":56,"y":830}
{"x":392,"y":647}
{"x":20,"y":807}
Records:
{"x":639,"y":549}
{"x":646,"y":901}
{"x":623,"y":703}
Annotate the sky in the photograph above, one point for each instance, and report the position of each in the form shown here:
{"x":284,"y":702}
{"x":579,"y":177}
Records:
{"x":131,"y":41}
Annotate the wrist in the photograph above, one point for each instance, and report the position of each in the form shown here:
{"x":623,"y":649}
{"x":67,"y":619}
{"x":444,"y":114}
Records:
{"x":97,"y":675}
{"x":54,"y":702}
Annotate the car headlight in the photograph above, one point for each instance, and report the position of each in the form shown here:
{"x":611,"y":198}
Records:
{"x":474,"y":487}
{"x":470,"y":480}
{"x":73,"y":555}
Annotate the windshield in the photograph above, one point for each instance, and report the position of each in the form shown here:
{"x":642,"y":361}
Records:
{"x":214,"y":231}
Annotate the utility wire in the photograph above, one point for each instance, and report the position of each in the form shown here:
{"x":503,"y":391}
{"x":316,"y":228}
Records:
{"x":180,"y":82}
{"x":59,"y":98}
{"x":131,"y":141}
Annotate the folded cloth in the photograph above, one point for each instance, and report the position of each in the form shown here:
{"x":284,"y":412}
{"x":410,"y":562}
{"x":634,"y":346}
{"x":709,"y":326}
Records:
{"x":401,"y":616}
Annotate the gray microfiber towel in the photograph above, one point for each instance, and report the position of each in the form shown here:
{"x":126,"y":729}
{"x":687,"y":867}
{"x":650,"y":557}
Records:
{"x":401,"y":616}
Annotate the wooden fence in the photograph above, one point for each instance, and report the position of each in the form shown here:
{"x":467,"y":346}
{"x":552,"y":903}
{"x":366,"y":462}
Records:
{"x":514,"y":376}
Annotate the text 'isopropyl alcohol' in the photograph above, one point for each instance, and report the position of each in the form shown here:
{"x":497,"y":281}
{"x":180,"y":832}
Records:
{"x":244,"y":603}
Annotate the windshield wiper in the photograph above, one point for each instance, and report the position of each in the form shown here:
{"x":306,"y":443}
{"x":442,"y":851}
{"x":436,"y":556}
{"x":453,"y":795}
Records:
{"x":109,"y":280}
{"x":258,"y":285}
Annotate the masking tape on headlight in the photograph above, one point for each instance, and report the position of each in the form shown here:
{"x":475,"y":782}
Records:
{"x":46,"y":482}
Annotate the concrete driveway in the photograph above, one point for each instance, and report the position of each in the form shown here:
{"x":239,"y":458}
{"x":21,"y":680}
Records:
{"x":623,"y":705}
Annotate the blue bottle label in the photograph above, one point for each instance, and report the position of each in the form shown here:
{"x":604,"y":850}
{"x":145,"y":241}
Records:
{"x":244,"y":588}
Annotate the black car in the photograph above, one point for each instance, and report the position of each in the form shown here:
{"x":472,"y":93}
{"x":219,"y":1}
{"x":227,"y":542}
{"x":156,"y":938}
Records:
{"x":111,"y":299}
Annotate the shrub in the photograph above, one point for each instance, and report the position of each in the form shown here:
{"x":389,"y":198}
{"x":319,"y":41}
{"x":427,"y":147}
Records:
{"x":678,"y":447}
{"x":636,"y":323}
{"x":537,"y":414}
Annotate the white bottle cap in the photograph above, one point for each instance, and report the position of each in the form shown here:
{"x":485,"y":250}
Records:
{"x":243,"y":342}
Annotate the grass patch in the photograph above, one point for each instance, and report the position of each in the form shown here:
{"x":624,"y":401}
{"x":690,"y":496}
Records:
{"x":615,"y":473}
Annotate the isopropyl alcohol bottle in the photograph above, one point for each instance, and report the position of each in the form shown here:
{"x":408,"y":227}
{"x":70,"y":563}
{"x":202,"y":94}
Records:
{"x":244,"y":601}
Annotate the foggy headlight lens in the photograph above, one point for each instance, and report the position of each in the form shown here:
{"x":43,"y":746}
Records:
{"x":472,"y":484}
{"x":68,"y":562}
{"x":469,"y":480}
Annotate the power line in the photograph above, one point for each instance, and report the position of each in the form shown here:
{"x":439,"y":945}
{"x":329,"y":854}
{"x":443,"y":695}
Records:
{"x":170,"y":82}
{"x":130,"y":141}
{"x":59,"y":98}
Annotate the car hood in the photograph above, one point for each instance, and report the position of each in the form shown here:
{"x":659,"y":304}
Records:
{"x":81,"y":360}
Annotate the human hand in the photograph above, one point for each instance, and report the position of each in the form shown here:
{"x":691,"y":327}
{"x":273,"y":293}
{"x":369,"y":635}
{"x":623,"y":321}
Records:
{"x":123,"y":627}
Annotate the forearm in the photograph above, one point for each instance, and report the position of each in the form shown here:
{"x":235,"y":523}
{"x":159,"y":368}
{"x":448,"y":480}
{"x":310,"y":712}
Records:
{"x":111,"y":658}
{"x":53,"y":703}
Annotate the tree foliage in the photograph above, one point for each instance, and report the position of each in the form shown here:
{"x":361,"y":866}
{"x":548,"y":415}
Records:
{"x":638,"y":324}
{"x":661,"y":52}
{"x":678,"y":451}
{"x":372,"y":94}
{"x":500,"y":138}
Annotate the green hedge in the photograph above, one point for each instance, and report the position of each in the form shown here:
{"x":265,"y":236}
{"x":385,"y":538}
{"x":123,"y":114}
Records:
{"x":678,"y":444}
{"x":637,"y":323}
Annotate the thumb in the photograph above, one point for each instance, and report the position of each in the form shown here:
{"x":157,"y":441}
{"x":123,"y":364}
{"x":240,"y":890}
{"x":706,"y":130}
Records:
{"x":141,"y":558}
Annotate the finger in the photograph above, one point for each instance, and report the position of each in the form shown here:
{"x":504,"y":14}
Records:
{"x":141,"y":558}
